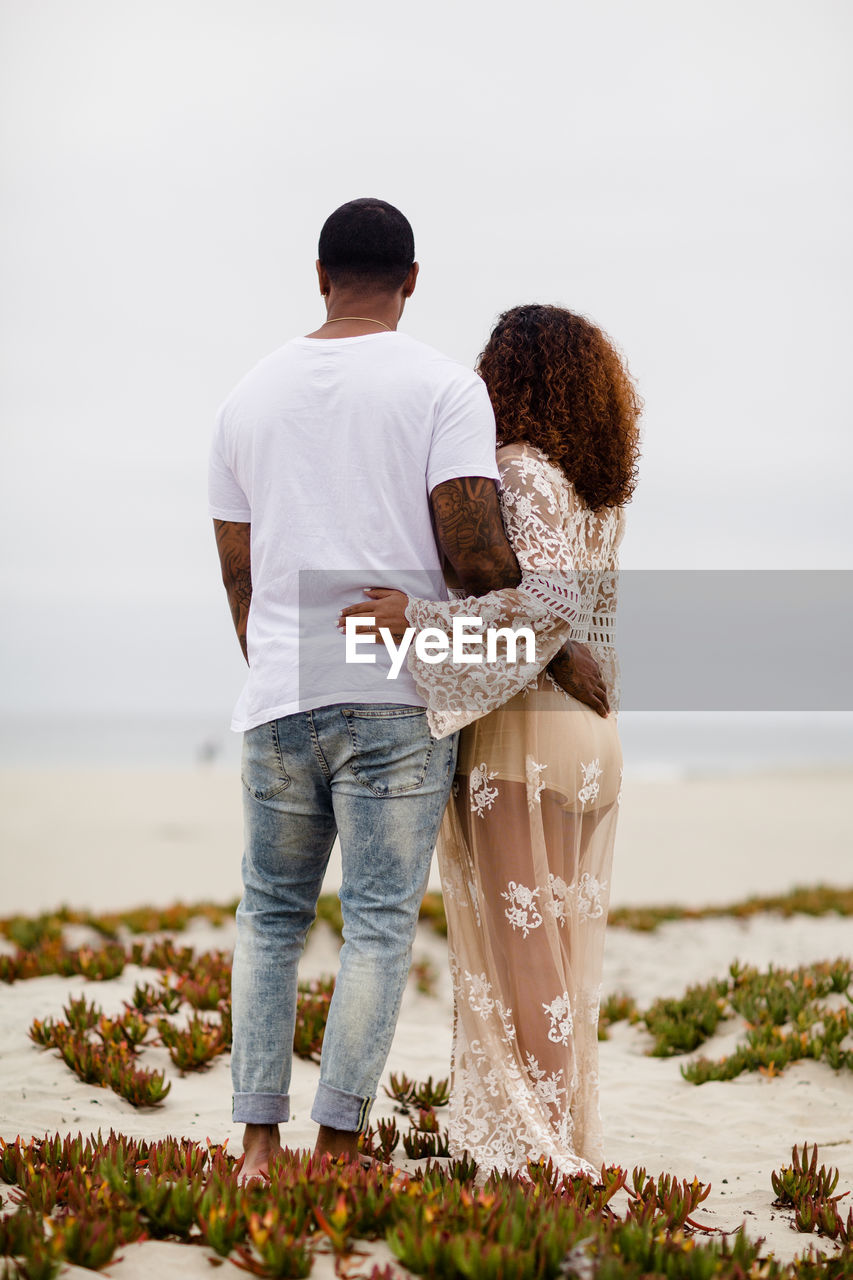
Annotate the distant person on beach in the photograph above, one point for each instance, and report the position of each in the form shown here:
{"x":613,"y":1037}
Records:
{"x":526,"y":846}
{"x":350,"y":456}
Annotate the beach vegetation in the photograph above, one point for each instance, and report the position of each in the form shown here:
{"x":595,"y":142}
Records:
{"x":619,"y":1006}
{"x":312,"y":1011}
{"x":380,"y":1141}
{"x":418,"y":1103}
{"x":432,"y":913}
{"x":80,"y":1200}
{"x":679,"y":1026}
{"x":40,"y":947}
{"x":146,"y":998}
{"x":100,"y":1049}
{"x":790,"y":1015}
{"x":194,"y":1046}
{"x":425,"y":976}
{"x":410,"y":1094}
{"x":810,"y":900}
{"x":108,"y":1064}
{"x":809,"y":1192}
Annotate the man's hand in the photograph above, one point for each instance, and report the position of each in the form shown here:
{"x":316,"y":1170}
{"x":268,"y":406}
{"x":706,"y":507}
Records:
{"x":470,"y":533}
{"x":233,"y":541}
{"x":576,"y":670}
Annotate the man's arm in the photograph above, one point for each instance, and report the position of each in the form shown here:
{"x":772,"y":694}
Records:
{"x":576,"y":671}
{"x":470,"y":534}
{"x":233,"y":545}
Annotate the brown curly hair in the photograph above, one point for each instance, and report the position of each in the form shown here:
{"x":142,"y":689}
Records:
{"x":557,"y":381}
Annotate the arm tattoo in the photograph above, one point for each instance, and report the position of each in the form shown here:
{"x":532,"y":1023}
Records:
{"x":233,"y":544}
{"x":470,"y":532}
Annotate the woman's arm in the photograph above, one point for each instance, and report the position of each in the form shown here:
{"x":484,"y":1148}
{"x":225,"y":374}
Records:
{"x":546,"y":603}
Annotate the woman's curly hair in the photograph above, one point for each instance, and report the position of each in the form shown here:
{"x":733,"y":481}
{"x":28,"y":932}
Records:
{"x":556,"y":381}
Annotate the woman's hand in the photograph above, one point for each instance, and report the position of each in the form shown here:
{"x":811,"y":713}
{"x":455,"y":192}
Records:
{"x":387,"y":607}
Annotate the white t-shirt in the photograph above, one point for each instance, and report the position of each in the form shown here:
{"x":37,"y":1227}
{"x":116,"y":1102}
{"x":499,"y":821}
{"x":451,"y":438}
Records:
{"x":331,"y":448}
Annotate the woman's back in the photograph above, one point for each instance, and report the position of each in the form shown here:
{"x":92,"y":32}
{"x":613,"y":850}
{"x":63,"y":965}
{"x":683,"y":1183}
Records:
{"x":574,"y":542}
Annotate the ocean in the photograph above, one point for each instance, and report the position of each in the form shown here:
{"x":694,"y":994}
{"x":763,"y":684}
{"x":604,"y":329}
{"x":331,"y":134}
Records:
{"x":655,"y":744}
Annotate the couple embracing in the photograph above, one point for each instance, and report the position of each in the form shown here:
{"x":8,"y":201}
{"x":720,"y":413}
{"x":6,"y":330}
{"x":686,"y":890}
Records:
{"x":356,"y":460}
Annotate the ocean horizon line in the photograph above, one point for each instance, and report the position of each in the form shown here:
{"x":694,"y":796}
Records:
{"x":656,"y":745}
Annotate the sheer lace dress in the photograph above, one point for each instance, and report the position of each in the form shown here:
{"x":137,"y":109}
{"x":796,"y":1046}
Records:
{"x":526,"y":845}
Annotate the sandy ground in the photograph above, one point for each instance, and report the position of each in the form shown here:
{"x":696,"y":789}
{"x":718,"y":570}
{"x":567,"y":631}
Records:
{"x":121,"y":839}
{"x":109,"y":839}
{"x":731,"y":1135}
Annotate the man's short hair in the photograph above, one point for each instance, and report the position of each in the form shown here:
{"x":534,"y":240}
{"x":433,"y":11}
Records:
{"x":367,"y":242}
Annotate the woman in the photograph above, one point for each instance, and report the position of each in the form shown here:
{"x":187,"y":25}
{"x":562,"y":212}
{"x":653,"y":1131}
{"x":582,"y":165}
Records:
{"x":527,"y":843}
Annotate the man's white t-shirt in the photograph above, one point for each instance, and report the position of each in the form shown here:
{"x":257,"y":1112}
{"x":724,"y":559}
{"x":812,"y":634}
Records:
{"x":330,"y":448}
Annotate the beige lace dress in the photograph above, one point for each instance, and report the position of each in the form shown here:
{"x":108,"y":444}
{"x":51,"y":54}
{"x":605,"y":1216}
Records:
{"x":526,"y":846}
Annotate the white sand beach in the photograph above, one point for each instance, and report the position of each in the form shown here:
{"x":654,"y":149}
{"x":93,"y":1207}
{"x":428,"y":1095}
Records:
{"x":109,"y":839}
{"x":116,"y":840}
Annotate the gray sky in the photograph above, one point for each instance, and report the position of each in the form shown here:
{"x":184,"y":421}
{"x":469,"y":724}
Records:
{"x":678,"y":171}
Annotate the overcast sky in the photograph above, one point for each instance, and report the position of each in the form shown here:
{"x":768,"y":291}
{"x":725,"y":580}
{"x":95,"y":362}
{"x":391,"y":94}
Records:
{"x":679,"y":171}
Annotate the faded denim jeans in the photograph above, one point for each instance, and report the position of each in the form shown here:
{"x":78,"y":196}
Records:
{"x":372,"y":774}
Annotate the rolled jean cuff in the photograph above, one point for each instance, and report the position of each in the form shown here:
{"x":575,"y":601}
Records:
{"x":339,"y":1110}
{"x":260,"y":1108}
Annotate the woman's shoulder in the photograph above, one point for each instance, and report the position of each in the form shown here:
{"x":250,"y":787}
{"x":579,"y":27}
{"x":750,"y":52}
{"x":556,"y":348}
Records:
{"x":525,"y":466}
{"x":523,"y":462}
{"x":525,"y":456}
{"x":521,"y":449}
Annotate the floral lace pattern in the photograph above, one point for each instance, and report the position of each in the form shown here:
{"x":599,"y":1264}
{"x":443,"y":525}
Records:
{"x":547,"y":1087}
{"x":557,"y":541}
{"x":562,"y":1020}
{"x":526,"y":843}
{"x":482,"y":796}
{"x":535,"y":785}
{"x":590,"y":897}
{"x":522,"y":912}
{"x":590,"y":788}
{"x":558,"y":898}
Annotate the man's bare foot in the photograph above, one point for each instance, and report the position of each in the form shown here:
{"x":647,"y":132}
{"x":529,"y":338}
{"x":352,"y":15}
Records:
{"x":336,"y":1142}
{"x":340,"y":1142}
{"x":260,"y":1143}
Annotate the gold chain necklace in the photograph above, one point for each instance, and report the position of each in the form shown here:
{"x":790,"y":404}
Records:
{"x":366,"y":319}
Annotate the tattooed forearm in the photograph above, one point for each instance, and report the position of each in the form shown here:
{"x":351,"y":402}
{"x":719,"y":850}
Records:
{"x":233,"y":545}
{"x":470,"y":533}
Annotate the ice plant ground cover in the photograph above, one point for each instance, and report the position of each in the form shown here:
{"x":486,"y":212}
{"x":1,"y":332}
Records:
{"x":79,"y":1201}
{"x":789,"y":1014}
{"x":81,"y":1208}
{"x":27,"y":932}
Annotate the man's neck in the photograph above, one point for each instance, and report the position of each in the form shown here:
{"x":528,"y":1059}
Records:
{"x":353,"y":315}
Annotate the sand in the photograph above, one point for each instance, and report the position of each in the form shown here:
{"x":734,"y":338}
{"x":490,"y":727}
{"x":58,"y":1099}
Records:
{"x":108,"y":839}
{"x":94,"y":842}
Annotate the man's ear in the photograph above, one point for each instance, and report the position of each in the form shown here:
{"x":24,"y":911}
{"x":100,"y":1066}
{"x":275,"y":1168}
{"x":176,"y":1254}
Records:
{"x":323,"y":278}
{"x":411,"y":280}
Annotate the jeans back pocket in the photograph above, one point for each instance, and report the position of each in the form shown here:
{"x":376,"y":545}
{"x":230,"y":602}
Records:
{"x":392,"y":747}
{"x":262,"y":770}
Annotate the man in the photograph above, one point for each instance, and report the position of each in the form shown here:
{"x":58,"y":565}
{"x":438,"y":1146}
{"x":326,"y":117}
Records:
{"x":351,"y":451}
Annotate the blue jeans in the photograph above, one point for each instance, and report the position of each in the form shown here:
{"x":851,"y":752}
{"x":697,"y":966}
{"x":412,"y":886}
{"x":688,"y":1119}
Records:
{"x":375,"y":776}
